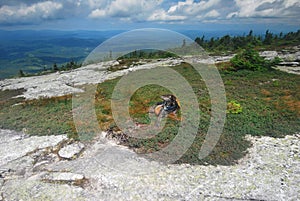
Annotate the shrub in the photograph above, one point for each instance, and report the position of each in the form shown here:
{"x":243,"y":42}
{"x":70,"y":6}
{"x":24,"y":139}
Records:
{"x":249,"y":59}
{"x":234,"y":108}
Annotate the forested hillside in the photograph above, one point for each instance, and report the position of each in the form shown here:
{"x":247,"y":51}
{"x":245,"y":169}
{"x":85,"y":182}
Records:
{"x":269,"y":40}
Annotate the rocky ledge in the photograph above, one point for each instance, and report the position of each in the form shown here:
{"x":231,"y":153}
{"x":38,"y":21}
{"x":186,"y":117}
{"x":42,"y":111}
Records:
{"x":32,"y":169}
{"x":290,"y":59}
{"x":70,"y":82}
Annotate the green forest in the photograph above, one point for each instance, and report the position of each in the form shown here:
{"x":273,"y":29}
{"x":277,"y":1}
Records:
{"x":229,"y":43}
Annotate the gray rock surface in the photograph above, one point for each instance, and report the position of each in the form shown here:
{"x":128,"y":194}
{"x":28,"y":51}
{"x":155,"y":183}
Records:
{"x":67,"y":177}
{"x":16,"y":145}
{"x":289,"y":69}
{"x":289,"y":63}
{"x":269,"y":55}
{"x":69,"y":82}
{"x":20,"y":189}
{"x":70,"y":151}
{"x":106,"y":171}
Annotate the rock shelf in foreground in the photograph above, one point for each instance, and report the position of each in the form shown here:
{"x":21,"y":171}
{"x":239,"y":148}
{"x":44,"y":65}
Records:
{"x":106,"y":171}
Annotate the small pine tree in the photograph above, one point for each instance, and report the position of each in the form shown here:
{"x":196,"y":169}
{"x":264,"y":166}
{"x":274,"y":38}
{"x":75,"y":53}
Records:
{"x":183,"y":43}
{"x":268,"y":38}
{"x":21,"y":73}
{"x":55,"y":67}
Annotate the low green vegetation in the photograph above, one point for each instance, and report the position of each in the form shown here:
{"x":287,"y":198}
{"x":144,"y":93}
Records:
{"x":260,"y":103}
{"x":55,"y":68}
{"x":148,"y":54}
{"x":233,"y":107}
{"x":249,"y":59}
{"x":39,"y":117}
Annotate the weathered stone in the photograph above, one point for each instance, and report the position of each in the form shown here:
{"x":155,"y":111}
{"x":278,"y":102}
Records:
{"x":40,"y":161}
{"x":71,"y":151}
{"x":116,"y":63}
{"x":269,"y":55}
{"x":291,"y":63}
{"x":19,"y":167}
{"x":20,"y":145}
{"x":269,"y":172}
{"x":63,"y":177}
{"x":7,"y":136}
{"x":289,"y":69}
{"x":37,"y":190}
{"x":219,"y":59}
{"x":290,"y":56}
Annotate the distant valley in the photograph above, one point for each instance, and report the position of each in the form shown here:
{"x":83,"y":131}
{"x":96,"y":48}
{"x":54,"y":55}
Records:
{"x":35,"y":51}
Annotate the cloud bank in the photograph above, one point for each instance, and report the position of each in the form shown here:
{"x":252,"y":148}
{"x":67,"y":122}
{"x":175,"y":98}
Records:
{"x":34,"y":13}
{"x":154,"y":11}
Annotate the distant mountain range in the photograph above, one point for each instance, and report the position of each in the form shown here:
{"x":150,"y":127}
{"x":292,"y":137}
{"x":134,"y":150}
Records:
{"x":37,"y":50}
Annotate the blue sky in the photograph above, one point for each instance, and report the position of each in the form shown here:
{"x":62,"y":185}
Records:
{"x":130,"y":14}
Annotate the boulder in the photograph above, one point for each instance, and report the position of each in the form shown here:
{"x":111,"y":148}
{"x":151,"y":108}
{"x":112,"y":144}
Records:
{"x":71,"y":151}
{"x":269,"y":55}
{"x":290,"y":57}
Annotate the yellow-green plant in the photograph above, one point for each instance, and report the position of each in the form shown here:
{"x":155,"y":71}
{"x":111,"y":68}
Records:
{"x":234,"y":108}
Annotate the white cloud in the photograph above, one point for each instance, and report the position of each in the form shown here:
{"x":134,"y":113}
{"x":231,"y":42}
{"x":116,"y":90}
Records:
{"x":212,"y":14}
{"x":248,"y":8}
{"x":188,"y":10}
{"x":162,"y":15}
{"x":290,"y":3}
{"x":94,"y":4}
{"x":232,"y":15}
{"x":25,"y":14}
{"x":191,"y":8}
{"x":127,"y":9}
{"x":265,"y":8}
{"x":161,"y":11}
{"x":98,"y":13}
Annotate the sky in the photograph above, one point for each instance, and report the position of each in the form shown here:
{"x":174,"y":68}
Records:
{"x":132,"y":14}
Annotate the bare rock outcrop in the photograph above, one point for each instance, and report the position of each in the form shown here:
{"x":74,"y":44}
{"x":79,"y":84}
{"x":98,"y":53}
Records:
{"x":107,"y":171}
{"x":69,"y":82}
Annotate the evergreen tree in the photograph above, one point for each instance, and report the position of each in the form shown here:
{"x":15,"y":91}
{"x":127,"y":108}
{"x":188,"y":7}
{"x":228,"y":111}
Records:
{"x":183,"y":43}
{"x":268,"y":38}
{"x":21,"y":73}
{"x":55,"y":67}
